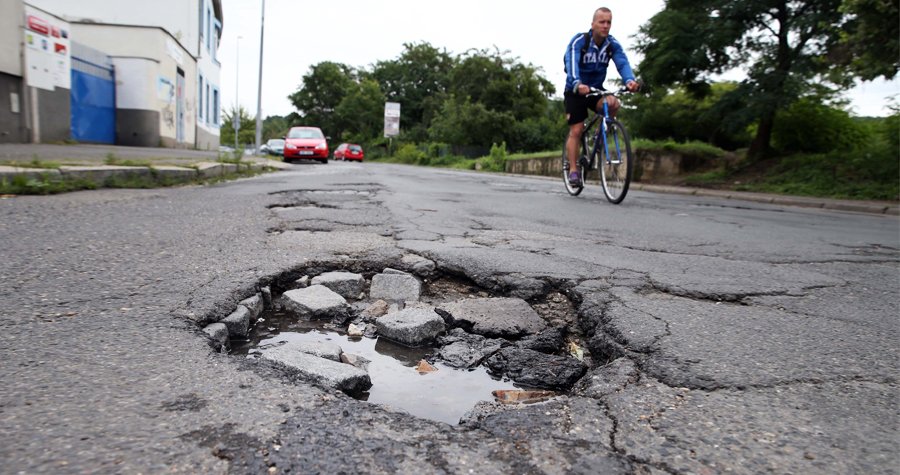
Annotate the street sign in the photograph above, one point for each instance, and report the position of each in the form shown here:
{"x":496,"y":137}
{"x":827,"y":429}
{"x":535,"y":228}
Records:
{"x":391,"y":119}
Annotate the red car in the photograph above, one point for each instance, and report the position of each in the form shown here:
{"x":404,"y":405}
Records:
{"x":306,"y":143}
{"x":349,"y":151}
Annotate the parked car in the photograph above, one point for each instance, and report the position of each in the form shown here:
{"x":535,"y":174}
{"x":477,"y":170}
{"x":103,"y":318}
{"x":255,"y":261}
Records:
{"x":305,"y":143}
{"x":274,"y":147}
{"x":349,"y":151}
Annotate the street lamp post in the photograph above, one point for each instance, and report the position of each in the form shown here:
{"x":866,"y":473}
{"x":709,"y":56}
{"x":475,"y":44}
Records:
{"x":236,"y":116}
{"x":262,"y":22}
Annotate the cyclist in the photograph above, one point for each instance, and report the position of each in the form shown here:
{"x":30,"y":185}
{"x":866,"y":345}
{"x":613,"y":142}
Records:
{"x":587,"y":58}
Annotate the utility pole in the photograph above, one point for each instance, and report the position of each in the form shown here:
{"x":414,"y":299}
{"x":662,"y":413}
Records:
{"x":262,"y":22}
{"x":236,"y":118}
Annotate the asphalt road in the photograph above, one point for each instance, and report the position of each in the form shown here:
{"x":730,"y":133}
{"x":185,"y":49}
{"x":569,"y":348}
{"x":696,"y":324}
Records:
{"x":744,"y":337}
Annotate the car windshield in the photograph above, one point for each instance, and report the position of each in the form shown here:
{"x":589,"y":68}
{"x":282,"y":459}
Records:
{"x":355,"y":148}
{"x":305,"y":134}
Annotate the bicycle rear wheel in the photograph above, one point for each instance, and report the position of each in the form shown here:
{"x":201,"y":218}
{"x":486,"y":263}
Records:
{"x":574,"y":189}
{"x":616,"y":164}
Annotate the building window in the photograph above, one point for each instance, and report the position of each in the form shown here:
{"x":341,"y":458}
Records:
{"x":200,"y":100}
{"x":215,"y":105}
{"x":207,"y":103}
{"x":208,"y":36}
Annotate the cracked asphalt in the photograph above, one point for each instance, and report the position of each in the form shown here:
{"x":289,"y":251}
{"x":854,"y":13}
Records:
{"x":726,"y":336}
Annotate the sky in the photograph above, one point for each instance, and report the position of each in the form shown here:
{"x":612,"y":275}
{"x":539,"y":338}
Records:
{"x":359,"y":33}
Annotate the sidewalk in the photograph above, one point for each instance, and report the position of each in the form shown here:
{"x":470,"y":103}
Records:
{"x":99,"y":162}
{"x":91,"y":161}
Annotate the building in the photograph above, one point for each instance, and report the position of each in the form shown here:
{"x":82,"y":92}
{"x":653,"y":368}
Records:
{"x":160,"y":58}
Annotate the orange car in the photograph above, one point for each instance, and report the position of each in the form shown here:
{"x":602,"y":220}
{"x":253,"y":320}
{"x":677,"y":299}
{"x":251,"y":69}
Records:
{"x":349,"y":151}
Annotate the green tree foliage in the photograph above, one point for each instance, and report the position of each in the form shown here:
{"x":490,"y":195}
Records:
{"x":247,"y":129}
{"x":418,"y":80}
{"x":808,"y":126}
{"x":781,"y":45}
{"x":870,"y":41}
{"x":360,"y":113}
{"x":322,"y":90}
{"x":275,"y":127}
{"x":683,"y":117}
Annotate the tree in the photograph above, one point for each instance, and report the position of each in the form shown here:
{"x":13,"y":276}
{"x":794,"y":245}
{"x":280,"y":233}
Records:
{"x":247,"y":132}
{"x":870,"y":42}
{"x":418,"y":80}
{"x":322,"y":89}
{"x":360,"y":113}
{"x":275,"y":127}
{"x":781,"y":44}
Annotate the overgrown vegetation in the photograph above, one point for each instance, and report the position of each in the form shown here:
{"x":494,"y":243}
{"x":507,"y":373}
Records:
{"x":48,"y":184}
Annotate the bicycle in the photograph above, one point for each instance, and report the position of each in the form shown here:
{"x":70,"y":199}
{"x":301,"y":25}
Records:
{"x":611,"y":140}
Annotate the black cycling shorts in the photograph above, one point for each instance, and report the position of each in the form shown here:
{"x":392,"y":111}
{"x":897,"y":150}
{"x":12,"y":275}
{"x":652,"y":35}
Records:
{"x":577,"y":106}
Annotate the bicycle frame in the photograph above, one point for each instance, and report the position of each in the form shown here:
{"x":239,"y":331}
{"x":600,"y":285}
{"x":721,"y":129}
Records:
{"x":600,"y":136}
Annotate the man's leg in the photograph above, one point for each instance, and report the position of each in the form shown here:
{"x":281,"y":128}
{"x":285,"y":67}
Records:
{"x":613,"y":103}
{"x":572,"y":145}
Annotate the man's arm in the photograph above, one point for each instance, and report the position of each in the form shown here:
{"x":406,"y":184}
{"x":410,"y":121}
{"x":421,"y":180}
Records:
{"x":621,"y":59}
{"x":573,"y":60}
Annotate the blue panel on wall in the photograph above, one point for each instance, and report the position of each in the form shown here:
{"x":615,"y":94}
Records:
{"x":93,"y":106}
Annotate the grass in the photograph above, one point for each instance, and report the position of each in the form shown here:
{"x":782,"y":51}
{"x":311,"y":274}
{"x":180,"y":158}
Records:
{"x":47,"y":184}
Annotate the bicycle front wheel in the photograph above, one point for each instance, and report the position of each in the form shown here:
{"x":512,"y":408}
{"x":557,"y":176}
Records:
{"x":616,"y":164}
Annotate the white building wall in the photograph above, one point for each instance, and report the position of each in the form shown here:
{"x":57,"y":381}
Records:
{"x":12,"y":14}
{"x":147,"y":61}
{"x":209,"y":118}
{"x":192,"y":25}
{"x":179,"y":17}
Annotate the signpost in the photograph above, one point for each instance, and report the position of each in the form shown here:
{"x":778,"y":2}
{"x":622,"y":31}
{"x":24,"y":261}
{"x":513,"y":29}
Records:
{"x":391,"y":122}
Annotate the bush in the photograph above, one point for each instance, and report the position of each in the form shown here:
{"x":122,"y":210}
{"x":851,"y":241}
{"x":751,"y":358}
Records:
{"x":496,"y":161}
{"x":810,"y":127}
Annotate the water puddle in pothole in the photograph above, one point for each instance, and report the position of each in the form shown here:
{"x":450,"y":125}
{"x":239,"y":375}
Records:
{"x":443,"y":395}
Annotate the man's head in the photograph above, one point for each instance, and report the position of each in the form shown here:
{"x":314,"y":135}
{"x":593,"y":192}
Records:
{"x":602,"y":22}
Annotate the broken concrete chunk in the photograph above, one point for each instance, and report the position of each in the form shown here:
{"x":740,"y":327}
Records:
{"x":389,"y":270}
{"x":549,"y":341}
{"x":535,"y":369}
{"x":218,"y":333}
{"x":493,"y":317}
{"x":377,"y":309}
{"x":322,"y":349}
{"x":266,"y":293}
{"x":331,"y":374}
{"x":463,"y":350}
{"x":356,"y":331}
{"x":411,"y":327}
{"x":238,"y":322}
{"x":254,"y":305}
{"x":356,"y":360}
{"x":302,"y":282}
{"x":395,"y":287}
{"x":347,"y":284}
{"x":316,"y":301}
{"x":419,"y":265}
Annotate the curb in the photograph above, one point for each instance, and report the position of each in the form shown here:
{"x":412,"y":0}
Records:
{"x":98,"y":174}
{"x":869,"y":207}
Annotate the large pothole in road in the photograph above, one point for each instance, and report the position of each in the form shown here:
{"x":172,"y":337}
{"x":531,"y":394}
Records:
{"x":431,"y":344}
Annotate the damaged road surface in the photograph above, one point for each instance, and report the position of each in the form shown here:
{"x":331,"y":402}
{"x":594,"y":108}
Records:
{"x":683,"y":334}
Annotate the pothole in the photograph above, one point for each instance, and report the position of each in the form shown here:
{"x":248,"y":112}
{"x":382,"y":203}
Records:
{"x":443,"y":394}
{"x":421,"y":341}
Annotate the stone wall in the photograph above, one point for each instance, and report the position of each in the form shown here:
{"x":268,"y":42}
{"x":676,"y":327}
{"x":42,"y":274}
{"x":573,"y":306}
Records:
{"x":652,"y":166}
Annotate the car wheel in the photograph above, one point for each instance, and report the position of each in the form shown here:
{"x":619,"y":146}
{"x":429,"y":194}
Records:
{"x":323,"y":160}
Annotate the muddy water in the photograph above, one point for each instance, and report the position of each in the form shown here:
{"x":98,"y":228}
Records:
{"x":444,"y":395}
